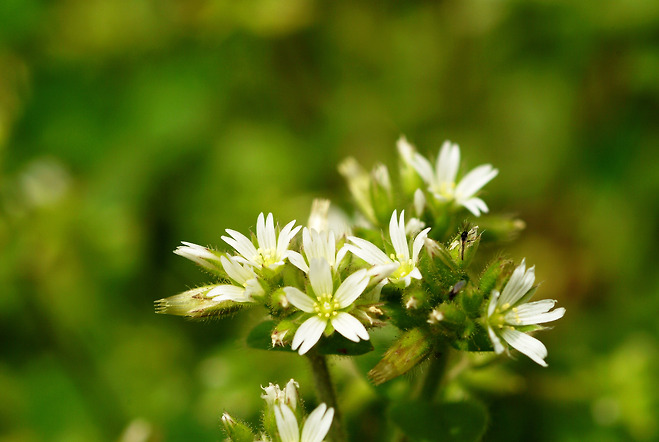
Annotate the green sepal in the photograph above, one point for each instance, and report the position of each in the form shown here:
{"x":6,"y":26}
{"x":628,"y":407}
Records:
{"x":494,"y":275}
{"x":477,"y":340}
{"x":236,"y":430}
{"x":450,"y":421}
{"x":472,"y":301}
{"x":194,"y":304}
{"x":403,"y":355}
{"x":260,"y":337}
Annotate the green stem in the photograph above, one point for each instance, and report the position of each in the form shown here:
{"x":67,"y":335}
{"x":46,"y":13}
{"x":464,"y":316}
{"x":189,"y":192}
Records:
{"x":326,"y":394}
{"x":427,"y":389}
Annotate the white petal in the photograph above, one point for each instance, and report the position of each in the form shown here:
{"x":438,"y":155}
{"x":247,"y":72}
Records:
{"x":235,"y":271}
{"x":318,"y":424}
{"x":397,"y":234}
{"x":423,"y":168}
{"x":285,"y":237}
{"x":526,"y":344}
{"x":448,"y":163}
{"x":265,"y":233}
{"x":308,"y":334}
{"x":339,"y":256}
{"x":227,"y":292}
{"x":418,"y":244}
{"x":519,"y":283}
{"x":241,"y":243}
{"x":474,"y":181}
{"x":349,"y":326}
{"x":367,"y":251}
{"x":534,"y":313}
{"x":496,"y":342}
{"x":299,"y":299}
{"x":474,"y":205}
{"x":298,"y":261}
{"x":419,"y":202}
{"x":286,"y":423}
{"x":351,"y":288}
{"x":493,"y":302}
{"x":320,"y":277}
{"x":405,"y":149}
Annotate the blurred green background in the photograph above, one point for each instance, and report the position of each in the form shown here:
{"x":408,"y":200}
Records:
{"x":129,"y":125}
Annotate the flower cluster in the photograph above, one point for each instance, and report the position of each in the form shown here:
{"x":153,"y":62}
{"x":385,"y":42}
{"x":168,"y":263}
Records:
{"x":326,"y":285}
{"x":281,"y":419}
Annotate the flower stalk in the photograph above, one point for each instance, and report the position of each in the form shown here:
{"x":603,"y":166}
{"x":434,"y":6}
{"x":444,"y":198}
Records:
{"x":326,"y":394}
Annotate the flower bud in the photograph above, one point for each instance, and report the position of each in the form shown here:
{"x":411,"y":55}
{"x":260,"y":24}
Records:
{"x":463,"y":247}
{"x":501,"y":227}
{"x":237,"y":431}
{"x":472,"y":301}
{"x":448,"y":318}
{"x":409,"y":177}
{"x":282,"y":335}
{"x":381,"y":194}
{"x":359,"y":183}
{"x":195,"y":304}
{"x":407,"y":352}
{"x":495,"y":274}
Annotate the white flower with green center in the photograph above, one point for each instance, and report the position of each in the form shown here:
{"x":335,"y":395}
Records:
{"x":314,"y":429}
{"x":407,"y":269}
{"x":317,"y":245}
{"x":247,"y":284}
{"x":327,"y":310}
{"x":509,"y":311}
{"x":441,"y":180}
{"x":271,"y":252}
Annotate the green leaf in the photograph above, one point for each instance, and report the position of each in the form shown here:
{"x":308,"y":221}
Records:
{"x":260,"y":337}
{"x":336,"y":344}
{"x":450,"y":421}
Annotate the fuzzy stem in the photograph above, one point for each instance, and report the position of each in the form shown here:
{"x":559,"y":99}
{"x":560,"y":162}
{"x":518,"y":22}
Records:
{"x":326,"y":394}
{"x":427,"y":389}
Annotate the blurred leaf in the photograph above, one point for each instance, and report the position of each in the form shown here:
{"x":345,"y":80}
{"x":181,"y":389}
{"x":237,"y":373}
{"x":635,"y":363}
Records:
{"x":423,"y":421}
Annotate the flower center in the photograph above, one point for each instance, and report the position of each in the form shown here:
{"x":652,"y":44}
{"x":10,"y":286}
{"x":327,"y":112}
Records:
{"x":266,"y":257}
{"x":326,"y":307}
{"x":405,"y":266}
{"x":445,"y":189}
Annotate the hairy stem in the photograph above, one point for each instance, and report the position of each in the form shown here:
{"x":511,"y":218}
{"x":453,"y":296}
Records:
{"x":427,"y":388}
{"x":326,"y":394}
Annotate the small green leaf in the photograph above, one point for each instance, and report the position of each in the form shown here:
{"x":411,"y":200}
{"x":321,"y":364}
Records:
{"x":260,"y":337}
{"x":450,"y":421}
{"x":336,"y":344}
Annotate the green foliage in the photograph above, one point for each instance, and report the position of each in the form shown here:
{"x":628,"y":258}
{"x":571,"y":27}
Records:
{"x":448,"y":421}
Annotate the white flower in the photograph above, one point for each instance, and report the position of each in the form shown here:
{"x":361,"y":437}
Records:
{"x":509,"y":310}
{"x":442,"y":180}
{"x":407,"y":269}
{"x":200,"y":255}
{"x":273,"y":395}
{"x":314,"y":430}
{"x":247,"y":283}
{"x":327,"y":307}
{"x":317,"y":245}
{"x":272,"y":251}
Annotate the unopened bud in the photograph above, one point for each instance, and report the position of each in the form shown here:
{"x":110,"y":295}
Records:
{"x":406,"y":353}
{"x":282,"y":334}
{"x":237,"y":431}
{"x":359,"y":183}
{"x":195,"y":304}
{"x":472,"y":301}
{"x":501,"y":227}
{"x":495,"y":274}
{"x":463,"y":248}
